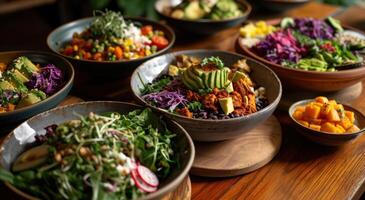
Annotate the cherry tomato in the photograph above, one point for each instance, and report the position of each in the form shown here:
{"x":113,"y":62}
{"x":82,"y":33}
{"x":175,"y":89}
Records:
{"x":68,"y":51}
{"x":146,"y":30}
{"x":159,"y":41}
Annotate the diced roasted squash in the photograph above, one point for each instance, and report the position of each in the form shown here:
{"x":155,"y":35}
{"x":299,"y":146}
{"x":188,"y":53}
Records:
{"x":298,"y":115}
{"x":332,"y":102}
{"x":345,"y":123}
{"x":350,"y":115}
{"x":315,"y":127}
{"x":333,"y":116}
{"x":304,"y":123}
{"x":326,"y":108}
{"x":353,"y":129}
{"x":329,"y":127}
{"x":316,"y":121}
{"x":340,"y":129}
{"x":312,"y":111}
{"x":300,"y":108}
{"x":321,"y":99}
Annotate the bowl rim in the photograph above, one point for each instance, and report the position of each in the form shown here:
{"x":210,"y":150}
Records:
{"x":305,"y":101}
{"x":272,"y":105}
{"x":134,"y":19}
{"x":67,"y":84}
{"x":173,"y":184}
{"x":288,"y":1}
{"x":207,"y":21}
{"x":334,"y":74}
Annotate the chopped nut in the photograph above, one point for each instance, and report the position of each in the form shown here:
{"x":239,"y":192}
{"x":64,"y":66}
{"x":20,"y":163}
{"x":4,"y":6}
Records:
{"x":58,"y":157}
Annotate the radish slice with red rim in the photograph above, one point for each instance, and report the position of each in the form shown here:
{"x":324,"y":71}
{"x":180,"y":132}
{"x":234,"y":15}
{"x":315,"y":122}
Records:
{"x":140,"y":184}
{"x":147,"y":176}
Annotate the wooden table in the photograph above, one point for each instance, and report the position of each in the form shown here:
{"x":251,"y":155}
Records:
{"x":301,"y":170}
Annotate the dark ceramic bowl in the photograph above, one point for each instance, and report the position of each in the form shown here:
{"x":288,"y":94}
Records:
{"x":90,"y":72}
{"x":11,"y":119}
{"x":278,"y":5}
{"x":309,"y":80}
{"x":10,"y":149}
{"x":202,"y":26}
{"x":325,"y":138}
{"x":212,"y":130}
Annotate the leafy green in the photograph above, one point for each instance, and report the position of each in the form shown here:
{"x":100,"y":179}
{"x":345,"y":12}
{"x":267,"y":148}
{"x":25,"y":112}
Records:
{"x":195,"y":106}
{"x":157,"y":85}
{"x":108,"y":23}
{"x":213,"y":60}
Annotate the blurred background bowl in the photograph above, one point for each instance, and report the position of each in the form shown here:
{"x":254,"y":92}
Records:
{"x":11,"y":149}
{"x":92,"y":75}
{"x":9,"y":120}
{"x":202,"y":26}
{"x":212,"y":130}
{"x":309,"y":80}
{"x":324,"y":138}
{"x":278,"y":5}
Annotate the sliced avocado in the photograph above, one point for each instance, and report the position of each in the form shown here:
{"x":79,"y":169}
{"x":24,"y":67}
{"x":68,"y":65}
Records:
{"x":287,"y":22}
{"x":31,"y":158}
{"x":238,"y":75}
{"x":218,"y":77}
{"x":29,"y":99}
{"x":195,"y":78}
{"x":189,"y":82}
{"x":19,"y":76}
{"x":206,"y":76}
{"x":197,"y":71}
{"x":211,"y":79}
{"x":25,"y":66}
{"x":224,"y":77}
{"x":5,"y":85}
{"x":336,"y":24}
{"x":39,"y":93}
{"x":230,"y":88}
{"x":19,"y":86}
{"x":226,"y":105}
{"x":194,"y":11}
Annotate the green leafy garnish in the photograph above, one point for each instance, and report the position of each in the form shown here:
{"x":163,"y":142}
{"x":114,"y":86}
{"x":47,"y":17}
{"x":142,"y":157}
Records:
{"x":108,"y":23}
{"x":195,"y":106}
{"x":213,"y":60}
{"x":156,"y":86}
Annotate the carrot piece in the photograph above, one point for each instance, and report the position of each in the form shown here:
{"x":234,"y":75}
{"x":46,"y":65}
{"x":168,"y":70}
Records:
{"x":2,"y":67}
{"x":321,"y":99}
{"x":97,"y":56}
{"x":333,"y":116}
{"x":312,"y":111}
{"x":118,"y":53}
{"x":315,"y":127}
{"x":11,"y":107}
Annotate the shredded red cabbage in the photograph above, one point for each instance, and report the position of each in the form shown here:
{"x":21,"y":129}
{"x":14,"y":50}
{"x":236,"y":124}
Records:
{"x":166,"y":99}
{"x":314,"y":28}
{"x":48,"y":80}
{"x":280,"y":46}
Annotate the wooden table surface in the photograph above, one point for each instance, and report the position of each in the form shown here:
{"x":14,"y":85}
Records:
{"x":301,"y":170}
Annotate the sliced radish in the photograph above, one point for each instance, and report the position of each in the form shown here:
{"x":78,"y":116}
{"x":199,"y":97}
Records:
{"x":147,"y":176}
{"x":140,"y":184}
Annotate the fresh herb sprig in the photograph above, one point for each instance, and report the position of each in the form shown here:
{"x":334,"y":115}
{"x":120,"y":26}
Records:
{"x":108,"y":23}
{"x":213,"y":60}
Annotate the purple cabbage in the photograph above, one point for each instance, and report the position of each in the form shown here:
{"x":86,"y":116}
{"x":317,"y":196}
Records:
{"x":314,"y":28}
{"x":48,"y":80}
{"x":280,"y":46}
{"x":166,"y":99}
{"x":50,"y":132}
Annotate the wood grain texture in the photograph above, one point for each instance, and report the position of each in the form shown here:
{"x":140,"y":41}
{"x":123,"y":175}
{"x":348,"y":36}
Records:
{"x":238,"y":156}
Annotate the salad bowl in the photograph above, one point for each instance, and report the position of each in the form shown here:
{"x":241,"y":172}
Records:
{"x":211,"y":129}
{"x":319,"y":81}
{"x":202,"y":26}
{"x":12,"y":118}
{"x":13,"y":146}
{"x":93,"y":71}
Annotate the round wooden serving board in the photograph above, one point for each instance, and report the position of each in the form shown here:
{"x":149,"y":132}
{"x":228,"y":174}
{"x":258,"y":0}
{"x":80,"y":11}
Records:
{"x":238,"y":156}
{"x":344,"y":96}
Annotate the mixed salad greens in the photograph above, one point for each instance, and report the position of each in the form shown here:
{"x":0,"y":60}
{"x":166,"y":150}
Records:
{"x":23,"y":83}
{"x":206,"y":89}
{"x":109,"y":156}
{"x":111,"y":38}
{"x":205,"y":9}
{"x":305,"y":43}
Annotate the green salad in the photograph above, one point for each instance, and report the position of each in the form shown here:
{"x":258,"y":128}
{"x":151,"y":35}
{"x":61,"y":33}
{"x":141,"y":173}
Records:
{"x":109,"y":156}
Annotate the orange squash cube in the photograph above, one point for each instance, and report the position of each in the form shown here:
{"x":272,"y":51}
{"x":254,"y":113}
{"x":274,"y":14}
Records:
{"x":321,"y":99}
{"x":325,"y":109}
{"x":312,"y":111}
{"x":353,"y":129}
{"x":340,"y":129}
{"x":315,"y":127}
{"x":345,"y":123}
{"x":329,"y":127}
{"x":316,"y":121}
{"x":300,"y":108}
{"x":304,"y":123}
{"x":333,"y":116}
{"x":298,"y":115}
{"x":332,"y":102}
{"x":350,"y":115}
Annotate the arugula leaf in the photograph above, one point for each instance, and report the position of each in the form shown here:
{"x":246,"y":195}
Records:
{"x":156,"y":86}
{"x":195,"y":106}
